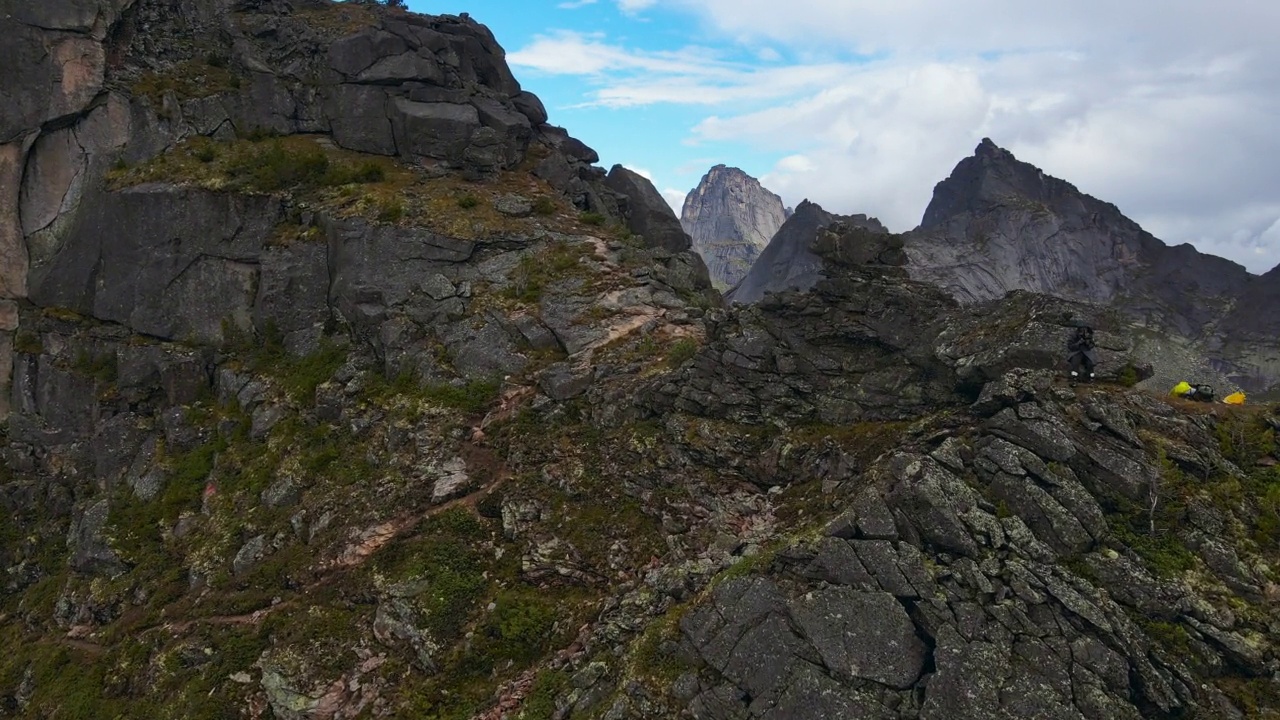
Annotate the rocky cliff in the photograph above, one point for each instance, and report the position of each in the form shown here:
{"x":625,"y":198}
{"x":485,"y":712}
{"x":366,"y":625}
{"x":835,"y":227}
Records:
{"x":421,"y":414}
{"x":731,"y":218}
{"x":788,"y":261}
{"x":998,"y":224}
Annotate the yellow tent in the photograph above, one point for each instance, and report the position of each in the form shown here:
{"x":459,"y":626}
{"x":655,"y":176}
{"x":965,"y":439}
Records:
{"x":1234,"y":399}
{"x":1181,"y":389}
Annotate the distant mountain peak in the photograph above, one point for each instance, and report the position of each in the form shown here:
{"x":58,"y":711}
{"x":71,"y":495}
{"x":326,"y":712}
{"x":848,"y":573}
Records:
{"x":730,"y":217}
{"x":998,"y":224}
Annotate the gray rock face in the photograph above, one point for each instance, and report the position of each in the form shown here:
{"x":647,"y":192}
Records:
{"x":731,"y":218}
{"x":647,"y":214}
{"x":788,"y":262}
{"x":161,"y":260}
{"x":998,"y":224}
{"x":993,"y":625}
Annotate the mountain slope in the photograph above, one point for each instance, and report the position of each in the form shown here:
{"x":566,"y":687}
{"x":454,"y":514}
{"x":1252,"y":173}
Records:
{"x":451,"y":426}
{"x":788,"y":262}
{"x":998,"y":224}
{"x":730,"y":218}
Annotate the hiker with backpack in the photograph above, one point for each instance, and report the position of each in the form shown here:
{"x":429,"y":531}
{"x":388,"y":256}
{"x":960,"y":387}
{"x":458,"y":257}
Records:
{"x":1081,"y":358}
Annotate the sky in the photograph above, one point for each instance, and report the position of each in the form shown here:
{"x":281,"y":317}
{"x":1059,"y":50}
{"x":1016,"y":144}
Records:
{"x":1166,"y":108}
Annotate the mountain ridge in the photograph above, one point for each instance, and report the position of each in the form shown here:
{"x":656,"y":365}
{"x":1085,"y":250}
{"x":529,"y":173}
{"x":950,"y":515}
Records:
{"x":997,"y":224}
{"x":356,"y":389}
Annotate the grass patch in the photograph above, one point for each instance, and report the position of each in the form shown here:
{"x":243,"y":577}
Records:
{"x":298,"y":375}
{"x":257,"y":164}
{"x":334,"y":20}
{"x":445,"y":557}
{"x":346,"y":184}
{"x":471,"y":397}
{"x":681,"y":350}
{"x":28,"y":342}
{"x":544,"y":206}
{"x":102,"y":368}
{"x":1128,"y":376}
{"x":535,"y":271}
{"x":188,"y":80}
{"x":540,"y":704}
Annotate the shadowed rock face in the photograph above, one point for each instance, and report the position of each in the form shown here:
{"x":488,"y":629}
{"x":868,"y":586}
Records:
{"x":998,"y":224}
{"x":788,"y":262}
{"x":98,"y":84}
{"x":731,"y":218}
{"x":645,"y":212}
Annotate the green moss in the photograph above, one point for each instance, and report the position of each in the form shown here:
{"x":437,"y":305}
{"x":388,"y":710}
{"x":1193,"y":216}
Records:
{"x":446,"y":558}
{"x":102,"y":368}
{"x":28,"y":342}
{"x":540,"y":703}
{"x":544,"y":206}
{"x":1257,"y":697}
{"x":262,"y":165}
{"x":653,"y":657}
{"x":521,"y":628}
{"x":681,"y":350}
{"x":471,"y":397}
{"x":593,"y":218}
{"x":1128,"y":376}
{"x":390,"y":209}
{"x":188,"y":80}
{"x":1172,"y":636}
{"x":1164,"y":552}
{"x":1244,"y":437}
{"x":1080,"y":567}
{"x":137,"y":527}
{"x":535,"y":271}
{"x":301,"y":376}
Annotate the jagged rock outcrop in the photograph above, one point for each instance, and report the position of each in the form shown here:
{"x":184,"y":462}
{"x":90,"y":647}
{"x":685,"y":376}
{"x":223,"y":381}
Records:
{"x":999,"y":224}
{"x":788,"y":262}
{"x":866,"y":343}
{"x":306,"y":430}
{"x":645,"y":212}
{"x":731,"y":217}
{"x":978,"y":577}
{"x":432,"y":91}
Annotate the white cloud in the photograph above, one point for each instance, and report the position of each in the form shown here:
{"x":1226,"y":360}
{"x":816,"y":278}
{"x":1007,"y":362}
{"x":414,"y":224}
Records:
{"x":574,"y":4}
{"x":940,"y":27}
{"x":640,"y":171}
{"x":691,"y":75}
{"x":675,"y":198}
{"x":1165,"y":109}
{"x":566,"y":52}
{"x":795,"y":163}
{"x":635,"y":6}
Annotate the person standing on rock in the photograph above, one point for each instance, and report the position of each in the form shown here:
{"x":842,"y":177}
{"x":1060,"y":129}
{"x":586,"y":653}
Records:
{"x":1081,"y":358}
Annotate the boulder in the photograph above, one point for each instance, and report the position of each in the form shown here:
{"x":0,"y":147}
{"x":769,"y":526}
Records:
{"x":436,"y":130}
{"x":646,"y":212}
{"x":359,"y":117}
{"x":529,"y":104}
{"x":354,"y":54}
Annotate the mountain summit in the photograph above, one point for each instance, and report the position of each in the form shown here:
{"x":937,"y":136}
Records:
{"x":998,"y":224}
{"x":731,"y":218}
